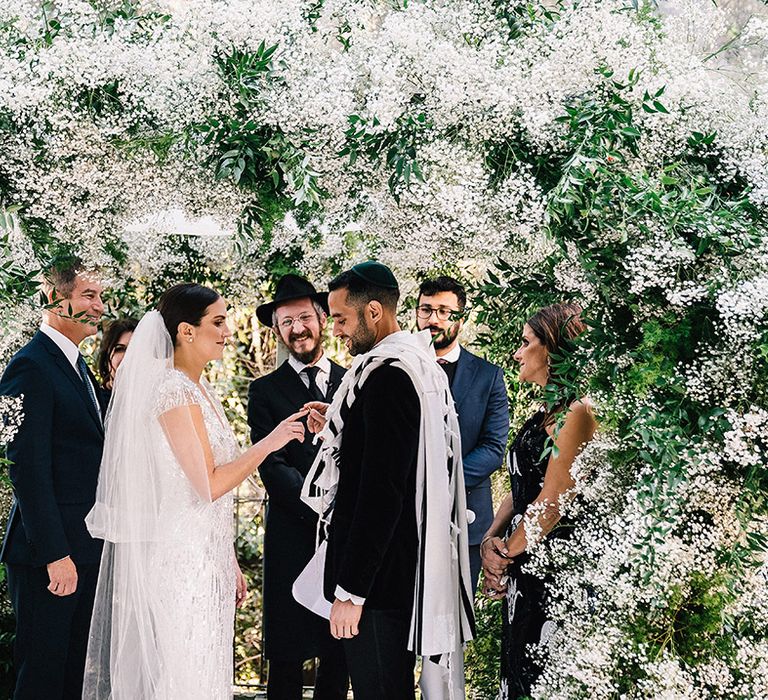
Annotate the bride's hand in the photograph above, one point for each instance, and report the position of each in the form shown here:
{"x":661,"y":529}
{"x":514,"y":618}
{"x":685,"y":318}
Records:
{"x":241,"y":587}
{"x":289,"y":429}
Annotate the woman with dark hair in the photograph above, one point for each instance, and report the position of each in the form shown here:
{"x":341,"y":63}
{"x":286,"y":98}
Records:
{"x":163,"y":620}
{"x":114,"y":343}
{"x":540,"y":481}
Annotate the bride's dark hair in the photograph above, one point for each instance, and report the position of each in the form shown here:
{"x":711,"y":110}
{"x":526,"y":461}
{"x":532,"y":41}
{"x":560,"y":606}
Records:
{"x":184,"y":303}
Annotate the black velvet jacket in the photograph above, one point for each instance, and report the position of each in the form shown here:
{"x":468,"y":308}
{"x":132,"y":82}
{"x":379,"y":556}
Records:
{"x":372,"y":539}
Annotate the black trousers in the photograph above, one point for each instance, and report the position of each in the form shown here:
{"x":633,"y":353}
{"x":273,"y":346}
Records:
{"x":286,"y":678}
{"x":380,"y":665}
{"x":51,"y":633}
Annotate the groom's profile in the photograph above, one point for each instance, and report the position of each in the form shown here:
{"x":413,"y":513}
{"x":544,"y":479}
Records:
{"x":372,"y":539}
{"x":389,"y":487}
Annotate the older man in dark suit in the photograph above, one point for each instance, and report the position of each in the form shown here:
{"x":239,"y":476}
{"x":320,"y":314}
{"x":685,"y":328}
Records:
{"x":293,"y":633}
{"x":51,"y":559}
{"x":480,"y":397}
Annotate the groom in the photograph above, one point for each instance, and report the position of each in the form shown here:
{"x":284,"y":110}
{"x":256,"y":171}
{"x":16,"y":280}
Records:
{"x":397,"y":575}
{"x":52,"y":561}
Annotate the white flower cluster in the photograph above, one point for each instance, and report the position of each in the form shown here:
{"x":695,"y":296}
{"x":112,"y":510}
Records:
{"x":11,"y":417}
{"x":746,"y":443}
{"x":18,"y":322}
{"x":98,"y":86}
{"x":721,"y":373}
{"x":446,"y":113}
{"x":657,"y":265}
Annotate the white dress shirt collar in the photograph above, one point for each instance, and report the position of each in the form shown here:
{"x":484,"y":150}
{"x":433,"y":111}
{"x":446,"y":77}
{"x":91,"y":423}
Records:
{"x":323,"y":365}
{"x":453,"y":355}
{"x":63,"y":343}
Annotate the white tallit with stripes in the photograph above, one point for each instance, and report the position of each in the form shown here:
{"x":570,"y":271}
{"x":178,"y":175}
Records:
{"x":442,"y":616}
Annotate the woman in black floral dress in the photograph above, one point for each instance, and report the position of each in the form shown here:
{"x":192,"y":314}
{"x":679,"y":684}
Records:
{"x":531,"y":511}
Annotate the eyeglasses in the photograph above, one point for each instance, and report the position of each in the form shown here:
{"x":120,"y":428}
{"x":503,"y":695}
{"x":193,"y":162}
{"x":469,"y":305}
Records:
{"x":304,"y":320}
{"x":443,"y":313}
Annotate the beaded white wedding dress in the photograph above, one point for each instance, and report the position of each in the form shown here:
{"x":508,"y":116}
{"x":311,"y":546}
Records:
{"x":194,"y":568}
{"x":163,"y":621}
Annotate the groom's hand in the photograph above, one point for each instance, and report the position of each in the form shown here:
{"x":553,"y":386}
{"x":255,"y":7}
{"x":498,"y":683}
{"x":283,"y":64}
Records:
{"x":345,"y":618}
{"x":63,"y":577}
{"x":316,"y":417}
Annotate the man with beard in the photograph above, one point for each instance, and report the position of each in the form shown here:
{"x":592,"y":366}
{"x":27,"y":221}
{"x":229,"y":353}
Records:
{"x":480,"y":397}
{"x":388,"y":485}
{"x":293,"y":634}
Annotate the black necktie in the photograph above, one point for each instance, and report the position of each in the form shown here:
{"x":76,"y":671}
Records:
{"x":448,"y":367}
{"x":83,"y":371}
{"x":314,"y":390}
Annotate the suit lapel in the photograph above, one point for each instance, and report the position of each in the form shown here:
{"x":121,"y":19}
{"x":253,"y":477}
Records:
{"x":334,"y":380}
{"x":71,"y":374}
{"x":294,"y":388}
{"x":465,"y":374}
{"x":295,"y":391}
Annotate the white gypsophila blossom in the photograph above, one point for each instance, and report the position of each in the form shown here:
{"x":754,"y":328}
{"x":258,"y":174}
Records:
{"x":11,"y":417}
{"x":750,"y":602}
{"x":101,"y":136}
{"x":668,"y":680}
{"x":657,"y":264}
{"x":371,"y":60}
{"x":592,"y":481}
{"x":742,"y":307}
{"x":571,"y":277}
{"x":752,"y":661}
{"x":18,"y":322}
{"x":747,"y":440}
{"x":16,"y":250}
{"x":684,"y":293}
{"x":721,"y":374}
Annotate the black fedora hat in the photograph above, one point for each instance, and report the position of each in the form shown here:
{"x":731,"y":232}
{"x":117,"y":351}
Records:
{"x":290,"y":287}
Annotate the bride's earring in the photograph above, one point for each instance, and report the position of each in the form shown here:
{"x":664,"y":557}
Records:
{"x":190,"y":338}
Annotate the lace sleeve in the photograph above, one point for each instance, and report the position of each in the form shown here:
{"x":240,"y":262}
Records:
{"x":184,"y":429}
{"x":175,"y":391}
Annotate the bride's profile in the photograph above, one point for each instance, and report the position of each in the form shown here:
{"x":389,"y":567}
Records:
{"x":163,"y":620}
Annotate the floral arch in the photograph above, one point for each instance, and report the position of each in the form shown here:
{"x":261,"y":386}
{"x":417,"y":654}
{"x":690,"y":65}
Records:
{"x":614,"y":152}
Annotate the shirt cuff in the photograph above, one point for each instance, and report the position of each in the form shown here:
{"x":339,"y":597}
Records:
{"x":342,"y":595}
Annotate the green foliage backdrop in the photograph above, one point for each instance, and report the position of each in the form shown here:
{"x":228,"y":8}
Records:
{"x":612,"y":152}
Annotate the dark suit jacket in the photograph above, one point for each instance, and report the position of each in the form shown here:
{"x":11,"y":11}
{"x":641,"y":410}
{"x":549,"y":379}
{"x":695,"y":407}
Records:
{"x":373,"y":539}
{"x":481,"y":403}
{"x":290,"y":630}
{"x":56,"y":457}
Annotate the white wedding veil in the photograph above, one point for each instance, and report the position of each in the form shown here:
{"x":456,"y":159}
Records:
{"x":152,"y":496}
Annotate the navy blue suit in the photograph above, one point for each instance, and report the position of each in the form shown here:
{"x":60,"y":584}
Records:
{"x":483,"y":409}
{"x":56,"y":457}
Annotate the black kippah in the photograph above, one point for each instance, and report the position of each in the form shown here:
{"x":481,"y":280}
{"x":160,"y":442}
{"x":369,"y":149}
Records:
{"x":375,"y":273}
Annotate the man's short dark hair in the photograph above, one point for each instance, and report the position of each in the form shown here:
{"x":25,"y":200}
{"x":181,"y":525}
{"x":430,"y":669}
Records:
{"x":429,"y":288}
{"x":60,"y":278}
{"x":360,"y":291}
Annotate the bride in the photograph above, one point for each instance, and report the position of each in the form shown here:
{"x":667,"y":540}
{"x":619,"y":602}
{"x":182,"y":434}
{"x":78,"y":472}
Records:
{"x":163,"y":619}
